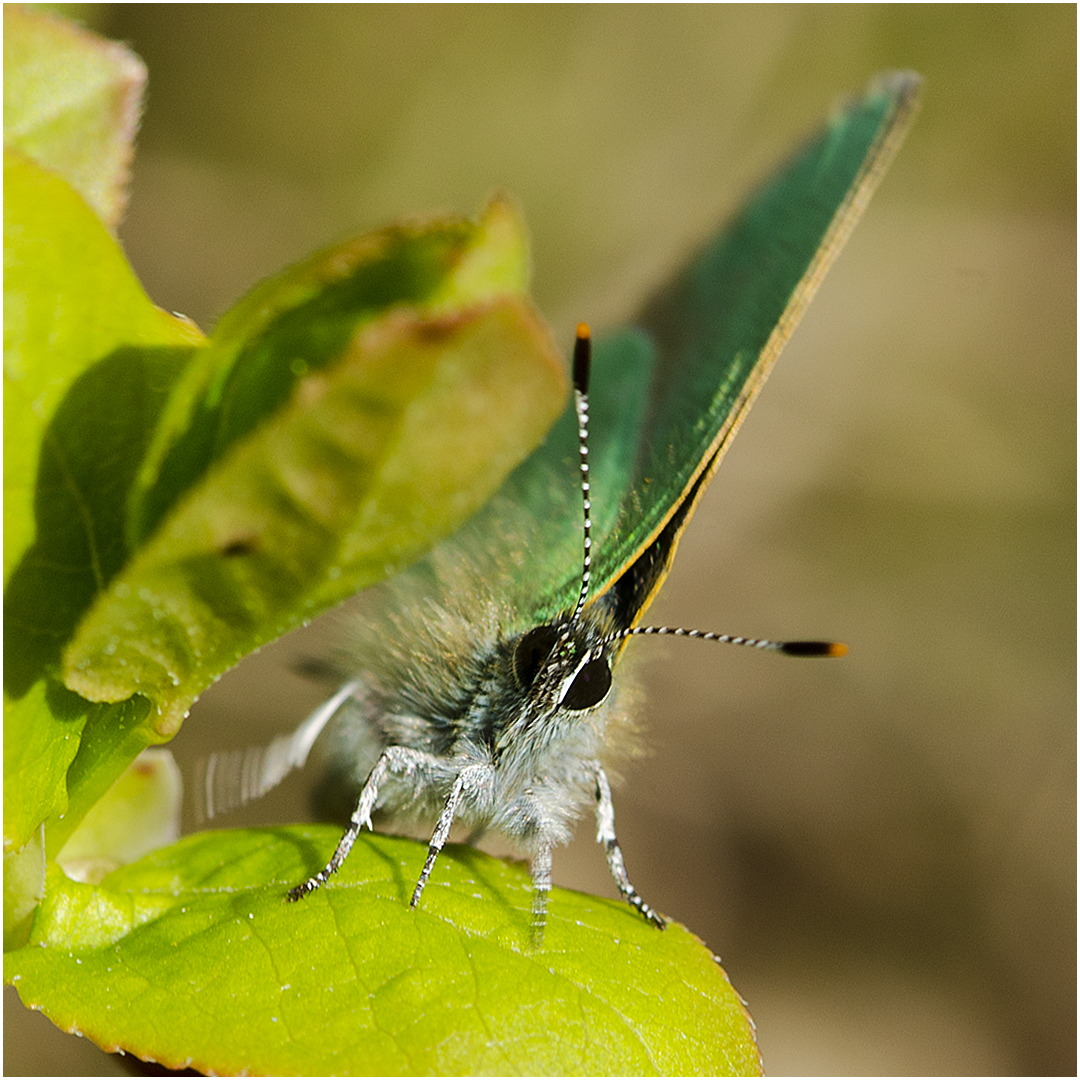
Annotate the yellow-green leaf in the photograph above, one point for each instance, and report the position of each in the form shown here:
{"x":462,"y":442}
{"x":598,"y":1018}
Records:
{"x":192,"y":958}
{"x":343,"y":418}
{"x":71,"y":103}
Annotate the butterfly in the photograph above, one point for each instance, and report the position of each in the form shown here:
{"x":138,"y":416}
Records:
{"x":483,"y":688}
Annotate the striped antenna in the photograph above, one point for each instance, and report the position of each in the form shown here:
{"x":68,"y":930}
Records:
{"x":582,"y":358}
{"x":791,"y":648}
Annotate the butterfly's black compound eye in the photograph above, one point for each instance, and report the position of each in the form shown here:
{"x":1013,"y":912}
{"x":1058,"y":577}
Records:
{"x":532,"y":651}
{"x":590,"y":685}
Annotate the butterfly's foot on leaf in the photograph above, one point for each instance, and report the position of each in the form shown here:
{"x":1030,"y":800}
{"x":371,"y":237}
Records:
{"x":635,"y":901}
{"x":300,"y":891}
{"x":605,"y":835}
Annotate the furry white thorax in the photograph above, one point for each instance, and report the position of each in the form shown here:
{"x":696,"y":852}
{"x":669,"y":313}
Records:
{"x":434,"y":672}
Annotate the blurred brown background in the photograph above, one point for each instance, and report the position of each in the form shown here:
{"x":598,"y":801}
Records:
{"x":882,"y":849}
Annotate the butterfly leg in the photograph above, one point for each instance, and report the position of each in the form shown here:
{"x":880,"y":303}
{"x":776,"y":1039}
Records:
{"x":541,"y":876}
{"x":605,"y":834}
{"x":395,"y":759}
{"x":470,"y":781}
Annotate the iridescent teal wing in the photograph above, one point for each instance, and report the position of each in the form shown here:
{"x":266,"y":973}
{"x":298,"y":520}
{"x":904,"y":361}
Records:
{"x":668,"y":394}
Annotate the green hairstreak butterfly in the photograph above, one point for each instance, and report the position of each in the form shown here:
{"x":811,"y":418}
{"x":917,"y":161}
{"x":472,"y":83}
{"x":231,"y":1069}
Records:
{"x":483,"y":689}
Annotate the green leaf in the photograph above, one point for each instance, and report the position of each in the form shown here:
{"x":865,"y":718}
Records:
{"x":305,"y":320}
{"x":75,"y":320}
{"x":138,"y":814}
{"x":343,"y":418}
{"x":42,"y":731}
{"x":88,"y":361}
{"x":351,"y":980}
{"x":24,"y":887}
{"x":71,"y":103}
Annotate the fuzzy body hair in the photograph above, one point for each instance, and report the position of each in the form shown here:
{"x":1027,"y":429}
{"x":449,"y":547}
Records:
{"x":433,"y":661}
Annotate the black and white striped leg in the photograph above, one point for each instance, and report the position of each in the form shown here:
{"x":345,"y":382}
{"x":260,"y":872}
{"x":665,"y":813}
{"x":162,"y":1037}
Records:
{"x":395,"y":759}
{"x":470,"y":780}
{"x":438,"y":838}
{"x":541,"y":877}
{"x":605,"y":834}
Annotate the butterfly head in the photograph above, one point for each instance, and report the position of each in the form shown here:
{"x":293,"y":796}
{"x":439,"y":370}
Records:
{"x":565,"y":666}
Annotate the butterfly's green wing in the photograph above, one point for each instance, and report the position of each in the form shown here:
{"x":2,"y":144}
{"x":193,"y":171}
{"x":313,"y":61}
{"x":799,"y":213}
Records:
{"x":668,"y":394}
